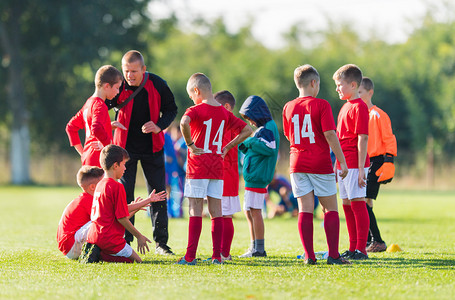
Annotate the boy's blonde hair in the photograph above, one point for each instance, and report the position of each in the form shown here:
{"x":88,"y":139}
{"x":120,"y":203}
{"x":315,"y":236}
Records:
{"x":367,"y":84}
{"x":133,"y":56}
{"x":349,"y":73}
{"x":88,"y":175}
{"x":112,"y":154}
{"x":107,"y":74}
{"x":201,"y":81}
{"x":303,"y":75}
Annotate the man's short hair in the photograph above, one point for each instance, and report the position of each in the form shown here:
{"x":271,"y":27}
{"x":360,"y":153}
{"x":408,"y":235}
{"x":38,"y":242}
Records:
{"x":133,"y":56}
{"x":199,"y":80}
{"x":349,"y":73}
{"x":367,"y":84}
{"x":107,"y":74}
{"x":88,"y":174}
{"x":303,"y":75}
{"x":112,"y":154}
{"x":224,"y":97}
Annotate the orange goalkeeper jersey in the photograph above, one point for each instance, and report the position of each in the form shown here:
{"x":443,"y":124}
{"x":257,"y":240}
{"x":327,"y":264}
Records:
{"x":381,"y":139}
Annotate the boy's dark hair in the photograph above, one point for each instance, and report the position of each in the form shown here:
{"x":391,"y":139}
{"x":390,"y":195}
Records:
{"x":133,"y":56}
{"x":107,"y":74}
{"x":303,"y":75}
{"x":224,"y":97}
{"x":199,"y":80}
{"x":367,"y":83}
{"x":112,"y":154}
{"x":88,"y":174}
{"x":349,"y":73}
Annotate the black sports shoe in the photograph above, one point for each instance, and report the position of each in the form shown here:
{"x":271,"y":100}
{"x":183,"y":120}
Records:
{"x":90,"y":254}
{"x":347,"y":254}
{"x":358,"y":255}
{"x":259,"y":254}
{"x":163,"y":250}
{"x":309,"y":261}
{"x":339,"y":261}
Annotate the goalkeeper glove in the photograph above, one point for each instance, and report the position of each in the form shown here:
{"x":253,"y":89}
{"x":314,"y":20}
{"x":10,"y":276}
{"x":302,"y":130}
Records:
{"x":387,"y":170}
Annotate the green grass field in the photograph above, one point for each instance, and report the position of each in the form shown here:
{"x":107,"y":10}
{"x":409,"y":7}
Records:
{"x":422,"y":223}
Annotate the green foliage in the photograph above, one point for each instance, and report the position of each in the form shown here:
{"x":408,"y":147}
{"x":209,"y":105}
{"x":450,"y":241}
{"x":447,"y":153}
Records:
{"x":32,"y":266}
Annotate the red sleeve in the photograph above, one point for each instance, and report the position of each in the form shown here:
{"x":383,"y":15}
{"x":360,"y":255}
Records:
{"x":74,"y":125}
{"x":121,"y":206}
{"x":99,"y":115}
{"x":235,"y":124}
{"x":191,"y":112}
{"x":361,"y":122}
{"x":285,"y":123}
{"x":327,"y":120}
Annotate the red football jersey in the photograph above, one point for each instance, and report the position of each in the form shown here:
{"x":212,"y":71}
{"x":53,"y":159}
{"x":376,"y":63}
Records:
{"x":95,"y":119}
{"x":231,"y":167}
{"x":109,"y":204}
{"x":208,"y":126}
{"x":352,"y":120}
{"x":305,"y":120}
{"x":75,"y":215}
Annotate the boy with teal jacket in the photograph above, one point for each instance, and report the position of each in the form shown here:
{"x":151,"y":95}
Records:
{"x":261,"y":153}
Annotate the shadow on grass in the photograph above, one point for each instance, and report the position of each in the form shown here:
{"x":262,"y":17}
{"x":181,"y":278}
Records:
{"x":373,"y":262}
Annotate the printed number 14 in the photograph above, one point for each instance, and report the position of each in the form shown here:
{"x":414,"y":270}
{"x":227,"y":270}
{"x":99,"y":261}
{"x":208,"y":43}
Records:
{"x":307,"y":129}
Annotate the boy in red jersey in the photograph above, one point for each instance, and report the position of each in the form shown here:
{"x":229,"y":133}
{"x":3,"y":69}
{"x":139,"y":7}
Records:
{"x":75,"y":221}
{"x":110,"y":213}
{"x":352,"y":131}
{"x":94,"y":117}
{"x":203,"y":127}
{"x":382,"y":147}
{"x":230,"y":201}
{"x":309,"y":126}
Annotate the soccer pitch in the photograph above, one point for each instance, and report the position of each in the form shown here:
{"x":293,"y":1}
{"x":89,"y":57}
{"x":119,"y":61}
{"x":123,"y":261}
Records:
{"x":422,"y":223}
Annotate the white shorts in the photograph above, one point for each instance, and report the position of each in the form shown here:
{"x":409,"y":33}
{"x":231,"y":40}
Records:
{"x":201,"y":188}
{"x":323,"y":185}
{"x":253,"y":200}
{"x":349,"y":186}
{"x":230,"y":205}
{"x":80,"y":237}
{"x":127,"y":251}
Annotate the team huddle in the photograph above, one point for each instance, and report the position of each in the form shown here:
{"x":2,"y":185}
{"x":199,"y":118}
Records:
{"x":99,"y":224}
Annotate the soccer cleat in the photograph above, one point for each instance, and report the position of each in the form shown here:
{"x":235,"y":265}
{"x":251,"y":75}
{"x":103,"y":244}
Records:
{"x":183,"y":261}
{"x":225,"y":258}
{"x":358,"y":255}
{"x":259,"y":254}
{"x":163,"y":250}
{"x":248,"y":253}
{"x":309,"y":261}
{"x":377,"y":247}
{"x":91,"y":253}
{"x":213,"y":261}
{"x":347,"y":254}
{"x":339,"y":261}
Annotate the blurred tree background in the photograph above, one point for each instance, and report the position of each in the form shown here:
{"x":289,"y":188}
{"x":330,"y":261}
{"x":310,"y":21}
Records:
{"x":51,"y":50}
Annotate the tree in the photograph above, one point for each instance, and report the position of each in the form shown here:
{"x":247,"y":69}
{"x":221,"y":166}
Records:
{"x":50,"y":50}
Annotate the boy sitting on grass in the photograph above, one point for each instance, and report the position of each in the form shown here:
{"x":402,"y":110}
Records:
{"x":110,"y":213}
{"x":75,"y":221}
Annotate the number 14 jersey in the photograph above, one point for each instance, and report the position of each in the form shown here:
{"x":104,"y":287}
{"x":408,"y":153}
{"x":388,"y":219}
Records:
{"x":305,"y":120}
{"x":208,"y":125}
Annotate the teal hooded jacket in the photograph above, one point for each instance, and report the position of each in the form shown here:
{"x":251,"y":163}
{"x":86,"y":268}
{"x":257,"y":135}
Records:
{"x":261,"y":150}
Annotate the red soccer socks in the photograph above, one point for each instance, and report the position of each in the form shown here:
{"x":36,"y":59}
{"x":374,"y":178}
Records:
{"x":228,"y":235}
{"x":351,"y":225}
{"x":305,"y":224}
{"x":362,"y":222}
{"x":194,"y":232}
{"x":217,"y":235}
{"x":332,"y":232}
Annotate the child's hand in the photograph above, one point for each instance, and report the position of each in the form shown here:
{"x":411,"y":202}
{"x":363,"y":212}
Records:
{"x":161,"y":196}
{"x":195,"y":150}
{"x":362,"y":178}
{"x":117,"y":124}
{"x":344,"y":170}
{"x":142,"y":244}
{"x":97,"y":145}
